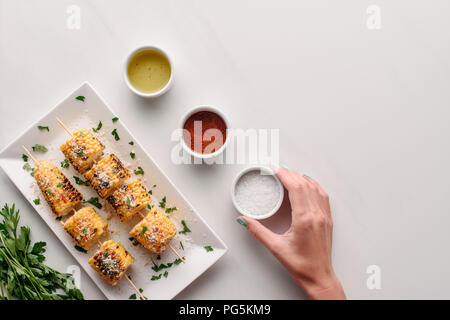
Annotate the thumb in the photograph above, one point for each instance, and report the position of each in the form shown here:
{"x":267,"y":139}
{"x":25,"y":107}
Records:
{"x":268,"y":238}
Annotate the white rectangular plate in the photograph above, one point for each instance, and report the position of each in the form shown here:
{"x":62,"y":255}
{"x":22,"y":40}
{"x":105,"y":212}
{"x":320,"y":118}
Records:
{"x":77,"y":115}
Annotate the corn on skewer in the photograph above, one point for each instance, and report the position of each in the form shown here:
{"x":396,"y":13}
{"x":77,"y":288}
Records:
{"x":169,"y":245}
{"x":91,"y":176}
{"x":91,"y":262}
{"x":57,"y":190}
{"x":36,"y":162}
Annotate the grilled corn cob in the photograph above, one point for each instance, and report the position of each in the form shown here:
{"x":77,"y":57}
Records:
{"x":82,"y":150}
{"x":107,"y":174}
{"x":155,"y":231}
{"x":85,"y":226}
{"x":60,"y":194}
{"x":129,"y":199}
{"x":111,"y":261}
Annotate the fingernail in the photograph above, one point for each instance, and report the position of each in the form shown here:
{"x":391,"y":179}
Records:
{"x":242,"y":222}
{"x":286,"y":167}
{"x":307,"y":175}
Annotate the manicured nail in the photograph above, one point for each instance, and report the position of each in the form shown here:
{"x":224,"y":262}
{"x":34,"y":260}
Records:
{"x":242,"y":222}
{"x":286,"y":167}
{"x":307,"y":175}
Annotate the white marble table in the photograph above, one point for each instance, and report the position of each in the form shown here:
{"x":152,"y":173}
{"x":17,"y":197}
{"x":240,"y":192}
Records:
{"x":365,"y":112}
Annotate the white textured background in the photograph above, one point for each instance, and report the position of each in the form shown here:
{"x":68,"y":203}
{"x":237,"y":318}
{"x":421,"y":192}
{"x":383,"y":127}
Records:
{"x":365,"y":112}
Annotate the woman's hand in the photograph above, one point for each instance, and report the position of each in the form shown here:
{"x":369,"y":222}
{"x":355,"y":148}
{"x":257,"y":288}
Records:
{"x":305,"y":249}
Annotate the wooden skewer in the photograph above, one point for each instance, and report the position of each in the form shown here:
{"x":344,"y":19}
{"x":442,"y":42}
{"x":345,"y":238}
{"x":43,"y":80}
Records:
{"x":31,"y":156}
{"x":170,"y":246}
{"x":64,"y":126}
{"x":129,"y":280}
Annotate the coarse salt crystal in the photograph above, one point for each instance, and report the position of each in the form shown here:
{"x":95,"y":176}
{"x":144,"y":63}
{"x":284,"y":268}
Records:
{"x":256,"y":193}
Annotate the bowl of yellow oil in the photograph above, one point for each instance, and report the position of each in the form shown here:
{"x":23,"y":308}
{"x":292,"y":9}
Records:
{"x":148,"y":71}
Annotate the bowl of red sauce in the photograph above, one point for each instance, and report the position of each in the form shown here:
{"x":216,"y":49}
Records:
{"x":205,"y":132}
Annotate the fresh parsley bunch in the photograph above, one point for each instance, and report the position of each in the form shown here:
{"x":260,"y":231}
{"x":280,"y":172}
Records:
{"x":22,"y":272}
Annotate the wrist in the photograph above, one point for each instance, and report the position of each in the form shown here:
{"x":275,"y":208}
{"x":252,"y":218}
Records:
{"x":326,"y":287}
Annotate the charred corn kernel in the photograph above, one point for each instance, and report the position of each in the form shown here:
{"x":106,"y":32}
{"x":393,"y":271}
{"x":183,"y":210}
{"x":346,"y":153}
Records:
{"x":60,"y":194}
{"x":107,"y":175}
{"x":82,"y":150}
{"x":129,"y":199}
{"x":85,"y":226}
{"x":111,"y":261}
{"x":155,"y":231}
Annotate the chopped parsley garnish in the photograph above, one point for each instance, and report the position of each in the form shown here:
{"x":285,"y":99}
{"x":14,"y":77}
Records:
{"x":150,"y":206}
{"x":132,"y":155}
{"x":81,"y":98}
{"x":64,"y":163}
{"x":81,"y":182}
{"x":81,"y":249}
{"x":37,"y":201}
{"x":39,"y":147}
{"x":43,"y":128}
{"x":181,"y":244}
{"x":208,"y":248}
{"x":143,"y":230}
{"x":32,"y":173}
{"x":115,"y":119}
{"x":106,"y":253}
{"x":133,"y":241}
{"x":94,"y":202}
{"x":158,"y":257}
{"x":162,"y":266}
{"x":26,"y":167}
{"x":166,"y":274}
{"x":80,"y":153}
{"x":49,"y":191}
{"x":139,"y":171}
{"x":185,"y":228}
{"x":170,"y":210}
{"x":99,"y":126}
{"x":131,"y":143}
{"x":132,"y":297}
{"x":128,"y":202}
{"x":150,"y":192}
{"x":25,"y":157}
{"x":58,"y":218}
{"x":156,"y":277}
{"x":82,"y":133}
{"x":59,"y":185}
{"x":162,"y":203}
{"x":85,"y":231}
{"x":115,"y":135}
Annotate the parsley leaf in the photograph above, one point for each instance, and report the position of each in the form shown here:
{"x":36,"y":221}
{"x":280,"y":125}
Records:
{"x":208,"y":248}
{"x":162,"y":203}
{"x":81,"y":98}
{"x":139,"y":171}
{"x":25,"y":157}
{"x":143,"y":230}
{"x":181,"y":244}
{"x":81,"y":249}
{"x":44,"y":128}
{"x":170,"y":210}
{"x":39,"y":147}
{"x":185,"y":228}
{"x":94,"y":202}
{"x":132,"y":297}
{"x":115,"y":135}
{"x":64,"y":163}
{"x":26,"y":167}
{"x":132,"y":155}
{"x":156,"y":277}
{"x":80,"y":181}
{"x":166,"y":274}
{"x":115,"y":119}
{"x":99,"y":126}
{"x":131,"y":143}
{"x":37,"y":201}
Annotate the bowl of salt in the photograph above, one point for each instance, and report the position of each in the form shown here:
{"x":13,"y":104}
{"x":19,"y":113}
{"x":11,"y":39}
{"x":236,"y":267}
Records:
{"x":257,"y":192}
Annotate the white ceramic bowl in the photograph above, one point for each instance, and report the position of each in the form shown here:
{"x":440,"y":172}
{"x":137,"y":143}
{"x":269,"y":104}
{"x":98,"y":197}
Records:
{"x":266,"y":170}
{"x":148,"y":94}
{"x":188,"y":148}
